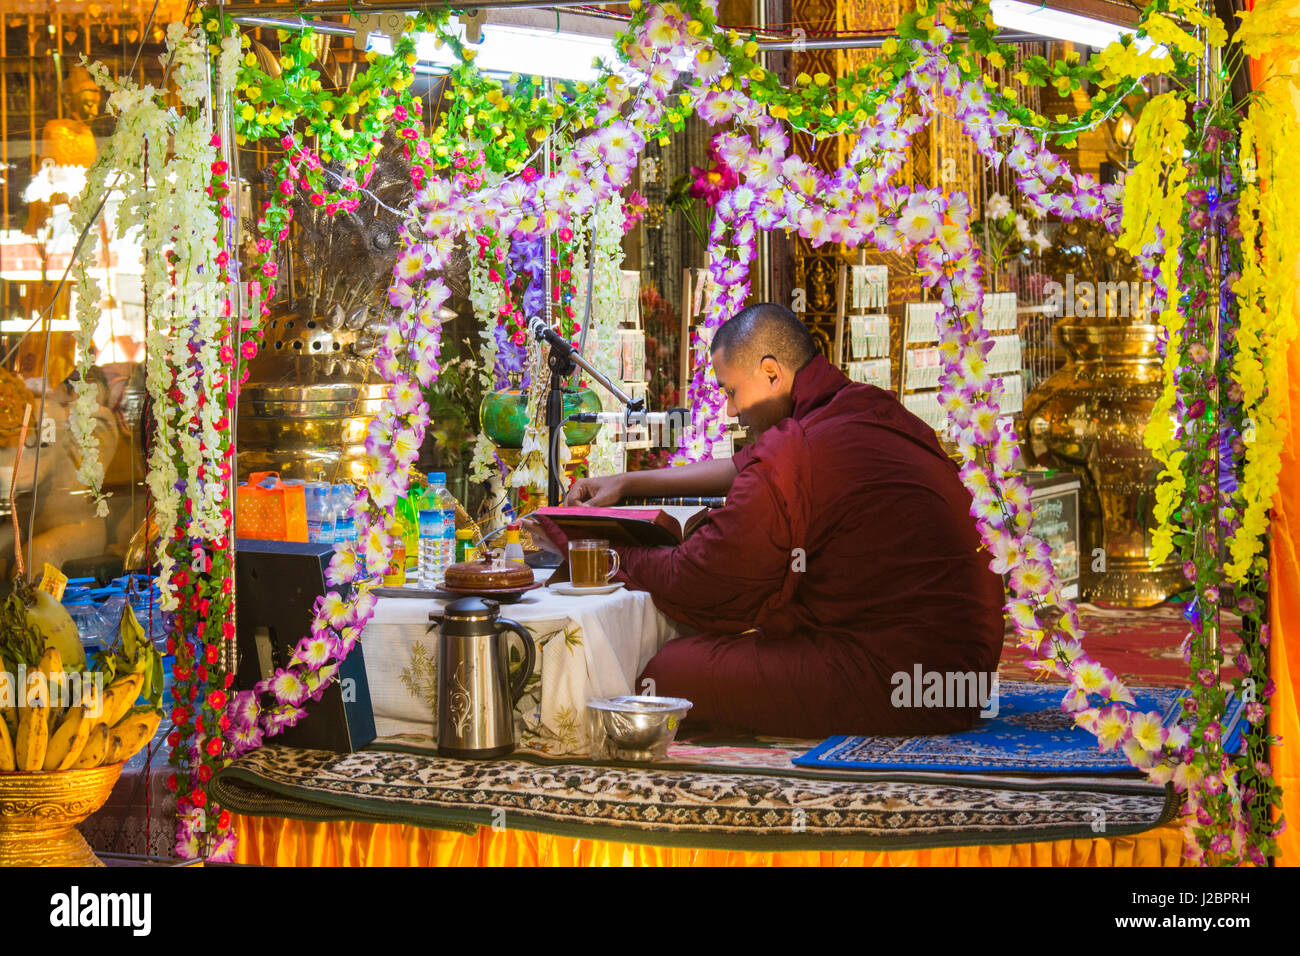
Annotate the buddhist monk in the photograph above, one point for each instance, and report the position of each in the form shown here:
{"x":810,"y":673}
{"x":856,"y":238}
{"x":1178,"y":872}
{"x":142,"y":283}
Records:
{"x":844,"y":566}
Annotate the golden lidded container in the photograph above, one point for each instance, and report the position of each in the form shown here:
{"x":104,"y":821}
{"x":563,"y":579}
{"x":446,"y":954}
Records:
{"x":1091,"y":417}
{"x":309,"y":400}
{"x":39,"y":813}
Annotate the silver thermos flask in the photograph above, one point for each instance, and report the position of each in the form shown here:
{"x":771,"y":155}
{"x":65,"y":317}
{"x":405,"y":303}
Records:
{"x":476,"y":697}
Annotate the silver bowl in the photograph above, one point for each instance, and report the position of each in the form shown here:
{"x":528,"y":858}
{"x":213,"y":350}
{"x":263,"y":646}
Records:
{"x":634,"y":728}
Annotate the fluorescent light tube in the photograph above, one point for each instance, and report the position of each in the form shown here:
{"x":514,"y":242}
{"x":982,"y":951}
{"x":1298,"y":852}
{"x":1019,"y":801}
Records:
{"x":1061,"y":25}
{"x":508,"y":49}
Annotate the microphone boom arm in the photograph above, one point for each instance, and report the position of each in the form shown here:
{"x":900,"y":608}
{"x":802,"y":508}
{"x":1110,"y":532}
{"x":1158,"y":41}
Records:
{"x":558,"y":344}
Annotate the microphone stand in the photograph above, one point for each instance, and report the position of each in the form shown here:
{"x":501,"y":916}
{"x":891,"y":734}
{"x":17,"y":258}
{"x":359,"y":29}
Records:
{"x":563,"y":360}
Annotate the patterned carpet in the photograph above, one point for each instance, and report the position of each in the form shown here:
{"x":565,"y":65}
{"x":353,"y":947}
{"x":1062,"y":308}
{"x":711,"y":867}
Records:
{"x":698,"y":807}
{"x":1142,"y":647}
{"x":729,"y":792}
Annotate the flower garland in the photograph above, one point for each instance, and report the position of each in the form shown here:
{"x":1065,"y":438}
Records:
{"x":1268,"y":291}
{"x":141,"y":118}
{"x":167,"y":157}
{"x":598,"y":167}
{"x":485,"y":294}
{"x":857,"y":203}
{"x":606,"y":226}
{"x":1097,"y":697}
{"x":1152,"y":222}
{"x":1230,"y":802}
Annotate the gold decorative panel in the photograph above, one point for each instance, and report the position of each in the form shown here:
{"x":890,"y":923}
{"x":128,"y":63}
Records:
{"x":939,"y":156}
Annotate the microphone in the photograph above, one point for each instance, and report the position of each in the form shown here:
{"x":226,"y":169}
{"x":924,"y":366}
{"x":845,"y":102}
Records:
{"x":673,"y":418}
{"x":544,"y":333}
{"x":537,"y":325}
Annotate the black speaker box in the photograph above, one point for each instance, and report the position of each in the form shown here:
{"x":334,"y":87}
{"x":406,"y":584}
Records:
{"x":276,"y":587}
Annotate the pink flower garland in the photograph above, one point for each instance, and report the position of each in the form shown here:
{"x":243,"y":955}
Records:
{"x":598,"y":168}
{"x":936,"y":228}
{"x":858,"y":202}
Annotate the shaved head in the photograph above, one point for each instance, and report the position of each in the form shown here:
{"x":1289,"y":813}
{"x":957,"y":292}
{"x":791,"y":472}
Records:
{"x":756,"y":355}
{"x":764,"y":330}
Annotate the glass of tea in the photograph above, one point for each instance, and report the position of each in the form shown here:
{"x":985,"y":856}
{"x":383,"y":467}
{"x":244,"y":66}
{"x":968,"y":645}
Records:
{"x":591,"y":563}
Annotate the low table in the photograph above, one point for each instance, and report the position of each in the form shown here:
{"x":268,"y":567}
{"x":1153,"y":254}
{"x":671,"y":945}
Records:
{"x":588,"y":646}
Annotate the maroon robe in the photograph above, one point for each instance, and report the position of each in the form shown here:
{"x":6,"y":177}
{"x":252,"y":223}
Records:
{"x":808,"y":643}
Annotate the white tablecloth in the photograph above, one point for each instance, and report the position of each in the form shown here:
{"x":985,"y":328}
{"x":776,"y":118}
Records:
{"x":588,"y":646}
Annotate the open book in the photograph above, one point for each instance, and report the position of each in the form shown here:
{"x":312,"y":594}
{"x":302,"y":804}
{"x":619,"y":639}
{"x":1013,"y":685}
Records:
{"x":646,"y":525}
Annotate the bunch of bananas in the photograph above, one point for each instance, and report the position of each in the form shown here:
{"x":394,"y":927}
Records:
{"x":101,"y":730}
{"x":76,"y":718}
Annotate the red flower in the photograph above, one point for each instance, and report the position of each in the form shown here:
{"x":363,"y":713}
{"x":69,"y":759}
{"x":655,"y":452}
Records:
{"x":204,"y":773}
{"x":198,"y":798}
{"x":203,"y":673}
{"x":213,"y":747}
{"x":223,"y":821}
{"x":211,"y":653}
{"x":180,"y":715}
{"x":171,"y":782}
{"x":217,"y":700}
{"x":174,"y":739}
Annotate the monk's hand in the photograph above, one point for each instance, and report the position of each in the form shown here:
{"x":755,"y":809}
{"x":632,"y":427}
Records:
{"x":595,"y":492}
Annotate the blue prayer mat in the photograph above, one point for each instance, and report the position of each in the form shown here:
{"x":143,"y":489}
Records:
{"x":1029,"y":734}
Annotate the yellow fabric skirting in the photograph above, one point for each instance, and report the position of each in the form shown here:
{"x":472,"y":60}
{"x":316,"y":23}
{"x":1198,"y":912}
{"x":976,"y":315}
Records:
{"x":275,"y":841}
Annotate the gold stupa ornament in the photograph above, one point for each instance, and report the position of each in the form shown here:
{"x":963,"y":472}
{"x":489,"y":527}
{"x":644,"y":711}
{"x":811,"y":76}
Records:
{"x":313,"y":388}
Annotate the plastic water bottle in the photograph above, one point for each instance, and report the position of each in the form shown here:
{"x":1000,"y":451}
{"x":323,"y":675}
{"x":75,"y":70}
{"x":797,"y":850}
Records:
{"x":91,"y":628}
{"x":437,"y":530}
{"x":448,"y":540}
{"x":345,"y":526}
{"x":320,"y":512}
{"x":112,"y":608}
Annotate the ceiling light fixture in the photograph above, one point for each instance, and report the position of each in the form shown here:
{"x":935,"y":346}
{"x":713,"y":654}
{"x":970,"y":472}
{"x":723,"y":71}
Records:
{"x":1059,"y":24}
{"x":523,"y":50}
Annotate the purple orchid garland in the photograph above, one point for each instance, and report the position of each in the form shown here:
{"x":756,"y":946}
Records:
{"x":1045,"y":621}
{"x":598,"y":168}
{"x":776,"y":189}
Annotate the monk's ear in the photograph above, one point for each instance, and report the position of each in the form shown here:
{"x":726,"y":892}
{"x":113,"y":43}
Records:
{"x":770,"y":369}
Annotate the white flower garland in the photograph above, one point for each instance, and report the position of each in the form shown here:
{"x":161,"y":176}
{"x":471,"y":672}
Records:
{"x":165,"y":155}
{"x":603,"y":346}
{"x":486,"y":298}
{"x":530,"y":473}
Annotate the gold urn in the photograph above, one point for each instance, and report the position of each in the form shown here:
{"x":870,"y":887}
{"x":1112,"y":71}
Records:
{"x":39,"y":813}
{"x":1090,"y":417}
{"x":311,"y":394}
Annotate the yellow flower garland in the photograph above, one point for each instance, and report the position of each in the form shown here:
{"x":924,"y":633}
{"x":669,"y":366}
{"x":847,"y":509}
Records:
{"x":1266,"y":293}
{"x":1153,"y":204}
{"x":1273,"y":26}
